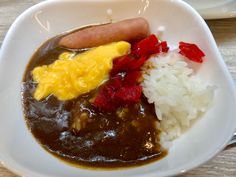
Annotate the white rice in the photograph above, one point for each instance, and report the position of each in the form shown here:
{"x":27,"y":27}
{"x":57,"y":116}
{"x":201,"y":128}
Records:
{"x":179,"y":96}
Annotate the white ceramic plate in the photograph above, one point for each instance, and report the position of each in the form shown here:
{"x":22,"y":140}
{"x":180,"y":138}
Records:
{"x":214,"y":9}
{"x":20,"y":152}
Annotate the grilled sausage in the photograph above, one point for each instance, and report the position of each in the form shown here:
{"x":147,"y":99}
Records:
{"x":127,"y":30}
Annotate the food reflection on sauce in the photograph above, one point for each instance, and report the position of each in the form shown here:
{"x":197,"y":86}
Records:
{"x":79,"y":133}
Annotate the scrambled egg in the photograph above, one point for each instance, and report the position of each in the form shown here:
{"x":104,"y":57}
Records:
{"x":73,"y":75}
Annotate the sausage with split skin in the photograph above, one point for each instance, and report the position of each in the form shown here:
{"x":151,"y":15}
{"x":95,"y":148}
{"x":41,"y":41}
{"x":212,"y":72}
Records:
{"x":127,"y":30}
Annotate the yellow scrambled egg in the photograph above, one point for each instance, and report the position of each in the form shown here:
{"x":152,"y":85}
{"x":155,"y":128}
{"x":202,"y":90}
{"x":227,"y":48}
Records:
{"x":72,"y":75}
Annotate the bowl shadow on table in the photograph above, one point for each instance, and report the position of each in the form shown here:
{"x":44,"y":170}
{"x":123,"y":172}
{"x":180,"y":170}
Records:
{"x":230,"y":146}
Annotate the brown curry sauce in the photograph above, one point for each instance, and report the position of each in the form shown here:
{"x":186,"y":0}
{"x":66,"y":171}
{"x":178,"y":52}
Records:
{"x":78,"y":133}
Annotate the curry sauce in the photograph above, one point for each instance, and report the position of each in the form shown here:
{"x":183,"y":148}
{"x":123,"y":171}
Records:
{"x":79,"y":133}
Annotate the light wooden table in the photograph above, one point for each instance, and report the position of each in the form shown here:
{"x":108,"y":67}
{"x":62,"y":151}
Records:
{"x":224,"y":31}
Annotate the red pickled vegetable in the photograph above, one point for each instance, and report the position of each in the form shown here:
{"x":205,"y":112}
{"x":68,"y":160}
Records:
{"x":149,"y":46}
{"x":191,"y":51}
{"x":131,"y":78}
{"x":121,"y":64}
{"x":114,"y":83}
{"x":146,"y":46}
{"x":136,"y":64}
{"x":110,"y":98}
{"x":102,"y":101}
{"x":163,"y":47}
{"x":129,"y":95}
{"x":105,"y":98}
{"x":126,"y":63}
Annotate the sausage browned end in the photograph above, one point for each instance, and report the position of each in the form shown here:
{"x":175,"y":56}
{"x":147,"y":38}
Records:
{"x":127,"y":30}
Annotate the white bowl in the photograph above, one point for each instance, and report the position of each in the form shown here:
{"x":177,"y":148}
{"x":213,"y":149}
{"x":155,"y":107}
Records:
{"x":20,"y":152}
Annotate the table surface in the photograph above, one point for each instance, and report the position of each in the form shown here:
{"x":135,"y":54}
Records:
{"x":224,"y":31}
